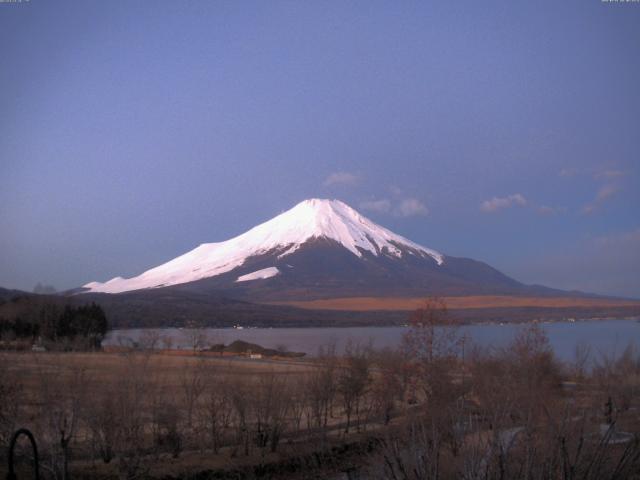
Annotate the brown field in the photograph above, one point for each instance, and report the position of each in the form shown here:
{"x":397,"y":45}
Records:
{"x":201,"y":416}
{"x":364,"y":304}
{"x":104,"y":370}
{"x":96,"y":376}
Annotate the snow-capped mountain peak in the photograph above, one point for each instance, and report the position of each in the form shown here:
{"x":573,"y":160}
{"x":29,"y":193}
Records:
{"x":337,"y":221}
{"x":283,"y":235}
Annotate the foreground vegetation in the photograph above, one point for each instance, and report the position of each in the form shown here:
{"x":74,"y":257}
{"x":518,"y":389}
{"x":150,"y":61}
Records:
{"x":436,"y":408}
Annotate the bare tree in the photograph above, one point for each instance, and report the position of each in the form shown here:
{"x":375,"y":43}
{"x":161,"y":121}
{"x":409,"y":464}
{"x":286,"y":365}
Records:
{"x":582,"y":355}
{"x":618,"y":379}
{"x":61,"y":405}
{"x":390,"y":383}
{"x":168,"y":435}
{"x":150,"y":339}
{"x":299,"y":400}
{"x":131,"y":406}
{"x":432,"y":345}
{"x":433,"y":332}
{"x":217,"y":409}
{"x":353,"y":381}
{"x":10,"y":395}
{"x":241,"y":399}
{"x":167,"y":342}
{"x":321,"y":387}
{"x":193,"y":386}
{"x":99,"y":415}
{"x":533,"y":370}
{"x":413,"y":455}
{"x":196,"y":338}
{"x":271,"y":402}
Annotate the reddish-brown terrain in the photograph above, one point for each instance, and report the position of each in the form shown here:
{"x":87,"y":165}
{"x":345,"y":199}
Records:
{"x":362,"y":304}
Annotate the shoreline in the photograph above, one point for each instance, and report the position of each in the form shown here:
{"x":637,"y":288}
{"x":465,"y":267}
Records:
{"x":381,"y":325}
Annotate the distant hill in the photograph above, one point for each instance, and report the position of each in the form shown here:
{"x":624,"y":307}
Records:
{"x":168,"y":308}
{"x":7,"y":294}
{"x":164,"y":308}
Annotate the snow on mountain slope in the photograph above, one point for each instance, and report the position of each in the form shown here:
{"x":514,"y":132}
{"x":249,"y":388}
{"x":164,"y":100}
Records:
{"x":259,"y":274}
{"x":284,"y":234}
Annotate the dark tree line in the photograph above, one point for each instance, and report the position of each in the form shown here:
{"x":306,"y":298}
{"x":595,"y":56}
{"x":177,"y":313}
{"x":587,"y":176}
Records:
{"x":83,"y":326}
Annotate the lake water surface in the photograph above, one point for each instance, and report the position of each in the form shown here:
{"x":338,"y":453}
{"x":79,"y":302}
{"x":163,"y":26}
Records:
{"x":605,"y":337}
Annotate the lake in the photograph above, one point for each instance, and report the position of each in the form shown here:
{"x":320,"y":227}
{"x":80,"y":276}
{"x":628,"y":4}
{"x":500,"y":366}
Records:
{"x":605,"y":337}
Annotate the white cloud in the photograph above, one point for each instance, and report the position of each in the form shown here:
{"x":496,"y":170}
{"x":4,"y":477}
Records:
{"x":407,"y":207}
{"x":610,"y":174}
{"x":597,"y":173}
{"x":499,"y":203}
{"x":395,"y":190}
{"x":620,"y":240}
{"x":341,"y":178}
{"x":410,"y":207}
{"x":604,"y":193}
{"x":379,"y":206}
{"x":545,"y":210}
{"x":568,"y":172}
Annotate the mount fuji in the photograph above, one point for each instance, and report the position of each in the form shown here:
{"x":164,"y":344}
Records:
{"x":322,"y":263}
{"x":318,"y":249}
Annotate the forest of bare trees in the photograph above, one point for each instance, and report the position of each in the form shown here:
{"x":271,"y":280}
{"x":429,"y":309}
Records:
{"x":424,"y":411}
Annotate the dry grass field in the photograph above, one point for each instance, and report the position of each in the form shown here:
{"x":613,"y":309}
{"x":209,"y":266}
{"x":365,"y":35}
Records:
{"x":149,"y":414}
{"x":103,"y":371}
{"x":86,"y":393}
{"x":363,"y":304}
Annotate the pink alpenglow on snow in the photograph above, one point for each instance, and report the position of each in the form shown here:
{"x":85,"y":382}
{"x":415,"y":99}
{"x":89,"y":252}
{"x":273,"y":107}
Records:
{"x":259,"y":274}
{"x":315,"y":218}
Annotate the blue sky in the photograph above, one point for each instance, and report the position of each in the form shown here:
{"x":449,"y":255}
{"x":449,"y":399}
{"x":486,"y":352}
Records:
{"x":507,"y":132}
